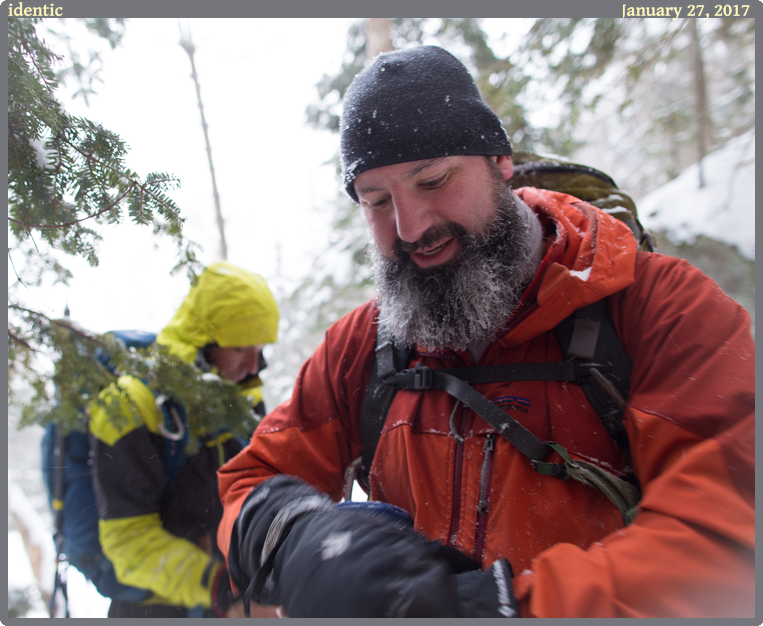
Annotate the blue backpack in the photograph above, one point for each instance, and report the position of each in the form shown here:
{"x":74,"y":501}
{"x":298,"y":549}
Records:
{"x":67,"y":473}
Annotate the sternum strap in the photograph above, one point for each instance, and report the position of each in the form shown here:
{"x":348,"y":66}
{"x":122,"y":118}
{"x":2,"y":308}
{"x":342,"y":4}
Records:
{"x":623,"y":495}
{"x":521,"y":438}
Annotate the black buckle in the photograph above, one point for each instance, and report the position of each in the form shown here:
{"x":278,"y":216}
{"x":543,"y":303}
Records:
{"x":422,"y":378}
{"x":418,"y":378}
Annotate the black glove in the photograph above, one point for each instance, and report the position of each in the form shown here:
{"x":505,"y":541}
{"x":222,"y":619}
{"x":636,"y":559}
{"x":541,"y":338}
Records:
{"x":291,"y":546}
{"x":486,"y":594}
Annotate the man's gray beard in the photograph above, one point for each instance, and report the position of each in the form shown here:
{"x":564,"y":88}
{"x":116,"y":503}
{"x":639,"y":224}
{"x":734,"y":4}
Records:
{"x":466,"y":300}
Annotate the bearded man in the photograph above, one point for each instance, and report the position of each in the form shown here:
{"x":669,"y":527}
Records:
{"x":470,"y":273}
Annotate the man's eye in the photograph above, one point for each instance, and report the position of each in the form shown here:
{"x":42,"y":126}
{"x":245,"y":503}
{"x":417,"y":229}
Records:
{"x":433,"y":184}
{"x":377,"y":204}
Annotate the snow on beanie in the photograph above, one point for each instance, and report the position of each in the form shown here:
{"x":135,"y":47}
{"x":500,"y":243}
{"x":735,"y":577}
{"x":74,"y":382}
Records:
{"x":408,"y":105}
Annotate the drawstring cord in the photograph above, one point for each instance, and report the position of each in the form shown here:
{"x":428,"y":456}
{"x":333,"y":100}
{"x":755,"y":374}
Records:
{"x":452,"y":423}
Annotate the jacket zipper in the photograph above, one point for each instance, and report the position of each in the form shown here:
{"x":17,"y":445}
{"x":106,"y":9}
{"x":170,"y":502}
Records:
{"x":457,"y":475}
{"x":484,"y":501}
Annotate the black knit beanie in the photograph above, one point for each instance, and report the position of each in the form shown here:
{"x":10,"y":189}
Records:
{"x":415,"y":104}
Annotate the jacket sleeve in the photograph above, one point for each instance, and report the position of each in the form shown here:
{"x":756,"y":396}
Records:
{"x":690,"y":421}
{"x":309,"y":436}
{"x":128,"y":479}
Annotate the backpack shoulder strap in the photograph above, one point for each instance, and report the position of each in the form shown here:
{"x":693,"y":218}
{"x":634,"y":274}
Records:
{"x":389,"y":359}
{"x":588,"y":338}
{"x":584,"y":337}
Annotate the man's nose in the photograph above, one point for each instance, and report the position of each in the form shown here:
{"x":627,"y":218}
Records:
{"x":412,"y":217}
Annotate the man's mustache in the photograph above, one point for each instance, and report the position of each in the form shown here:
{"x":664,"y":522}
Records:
{"x":432,"y":235}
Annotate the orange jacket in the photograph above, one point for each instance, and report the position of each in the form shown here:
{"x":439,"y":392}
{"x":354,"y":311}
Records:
{"x":689,"y":418}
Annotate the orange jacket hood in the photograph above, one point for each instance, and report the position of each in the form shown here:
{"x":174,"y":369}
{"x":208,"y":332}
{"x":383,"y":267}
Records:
{"x":593,"y":256}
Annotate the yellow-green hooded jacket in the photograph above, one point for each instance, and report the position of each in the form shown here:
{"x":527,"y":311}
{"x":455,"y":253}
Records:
{"x":160,"y":536}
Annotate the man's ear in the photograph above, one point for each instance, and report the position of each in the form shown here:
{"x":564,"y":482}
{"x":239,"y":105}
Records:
{"x":505,"y":164}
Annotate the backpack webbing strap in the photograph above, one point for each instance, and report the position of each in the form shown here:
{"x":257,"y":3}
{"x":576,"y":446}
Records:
{"x":59,"y":584}
{"x":57,"y":503}
{"x":588,"y":360}
{"x":621,"y":493}
{"x":561,"y":371}
{"x":389,"y":358}
{"x":506,"y":372}
{"x":424,"y":378}
{"x":388,"y":354}
{"x":589,"y":340}
{"x":57,"y":495}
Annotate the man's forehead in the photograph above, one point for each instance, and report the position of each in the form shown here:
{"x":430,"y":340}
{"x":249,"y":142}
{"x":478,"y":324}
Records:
{"x":364,"y":183}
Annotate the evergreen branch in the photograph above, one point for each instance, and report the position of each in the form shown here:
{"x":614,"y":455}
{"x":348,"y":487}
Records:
{"x":89,"y":160}
{"x":133,"y":183}
{"x":31,"y":312}
{"x":19,"y":341}
{"x":33,"y":58}
{"x":111,"y":207}
{"x":34,"y":242}
{"x":16,"y":151}
{"x":19,"y":163}
{"x":67,"y":326}
{"x":13,"y":265}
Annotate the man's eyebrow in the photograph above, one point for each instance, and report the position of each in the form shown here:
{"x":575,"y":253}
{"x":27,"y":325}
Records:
{"x":416,"y":169}
{"x":422,"y":166}
{"x":363,"y":189}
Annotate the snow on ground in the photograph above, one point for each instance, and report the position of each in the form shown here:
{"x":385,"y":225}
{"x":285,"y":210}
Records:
{"x":84,"y":599}
{"x":723,"y":209}
{"x":21,"y":580}
{"x":37,"y":531}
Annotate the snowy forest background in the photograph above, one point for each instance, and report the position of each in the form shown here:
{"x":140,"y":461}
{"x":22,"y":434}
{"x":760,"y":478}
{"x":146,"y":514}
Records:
{"x":665,"y":107}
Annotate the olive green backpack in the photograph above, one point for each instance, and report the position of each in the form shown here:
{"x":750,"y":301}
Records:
{"x":583,"y":182}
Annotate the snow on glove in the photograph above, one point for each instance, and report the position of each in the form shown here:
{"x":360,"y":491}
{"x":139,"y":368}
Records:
{"x":291,"y":546}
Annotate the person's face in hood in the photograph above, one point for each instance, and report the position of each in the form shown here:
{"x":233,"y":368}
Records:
{"x":235,"y":364}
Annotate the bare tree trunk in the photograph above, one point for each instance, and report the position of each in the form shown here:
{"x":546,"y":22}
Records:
{"x":704,"y":128}
{"x":377,"y":36}
{"x":188,"y":46}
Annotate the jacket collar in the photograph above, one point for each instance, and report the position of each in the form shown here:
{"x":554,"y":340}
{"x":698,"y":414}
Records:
{"x":590,"y":255}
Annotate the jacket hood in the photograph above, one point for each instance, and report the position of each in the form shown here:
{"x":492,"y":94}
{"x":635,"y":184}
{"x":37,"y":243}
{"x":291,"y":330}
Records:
{"x":227,"y":306}
{"x":597,"y":258}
